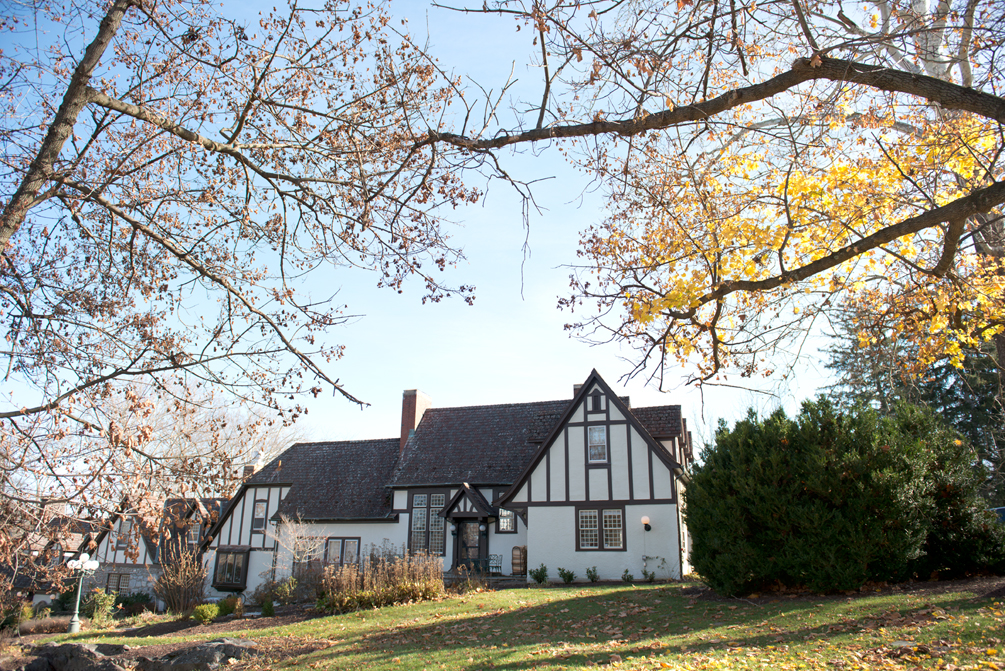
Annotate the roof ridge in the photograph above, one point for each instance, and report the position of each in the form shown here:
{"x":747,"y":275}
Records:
{"x":499,"y":405}
{"x":343,"y":442}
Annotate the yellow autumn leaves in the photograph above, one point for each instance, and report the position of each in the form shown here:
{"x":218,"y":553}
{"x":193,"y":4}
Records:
{"x":724,"y":251}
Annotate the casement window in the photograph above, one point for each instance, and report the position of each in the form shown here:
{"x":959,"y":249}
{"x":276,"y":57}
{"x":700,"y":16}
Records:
{"x":428,"y":532}
{"x":340,"y":551}
{"x":598,"y":444}
{"x":258,"y":517}
{"x":117,"y":582}
{"x":595,"y":402}
{"x":601,"y":529}
{"x":231,"y":569}
{"x":125,"y":531}
{"x":506,"y":523}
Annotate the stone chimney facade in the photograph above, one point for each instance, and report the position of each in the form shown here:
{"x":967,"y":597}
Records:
{"x":413,"y":404}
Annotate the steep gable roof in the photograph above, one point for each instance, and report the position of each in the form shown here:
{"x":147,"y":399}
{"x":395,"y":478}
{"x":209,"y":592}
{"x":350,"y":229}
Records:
{"x":333,"y":481}
{"x":481,"y":445}
{"x":660,"y":416}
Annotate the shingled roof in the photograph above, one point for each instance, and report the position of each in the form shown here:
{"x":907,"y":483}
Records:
{"x":490,"y":444}
{"x":334,"y":481}
{"x":661,"y":421}
{"x":482,"y":445}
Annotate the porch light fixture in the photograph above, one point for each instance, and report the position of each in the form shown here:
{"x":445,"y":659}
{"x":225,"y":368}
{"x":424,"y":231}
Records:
{"x":645,"y":523}
{"x":83,"y":566}
{"x":482,"y":528}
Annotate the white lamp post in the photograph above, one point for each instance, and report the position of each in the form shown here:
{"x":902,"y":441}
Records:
{"x":83,"y":566}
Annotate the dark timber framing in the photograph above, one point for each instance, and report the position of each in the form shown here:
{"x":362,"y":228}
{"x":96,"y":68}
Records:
{"x":586,"y":397}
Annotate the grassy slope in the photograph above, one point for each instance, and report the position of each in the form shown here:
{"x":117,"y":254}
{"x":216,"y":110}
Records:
{"x":644,"y":627}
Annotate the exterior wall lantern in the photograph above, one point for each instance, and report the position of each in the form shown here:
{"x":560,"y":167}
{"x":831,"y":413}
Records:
{"x":482,"y":528}
{"x":83,"y":566}
{"x":645,"y":523}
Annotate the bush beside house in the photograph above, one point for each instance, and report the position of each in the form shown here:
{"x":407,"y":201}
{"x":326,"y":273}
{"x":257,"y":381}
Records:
{"x":830,"y":500}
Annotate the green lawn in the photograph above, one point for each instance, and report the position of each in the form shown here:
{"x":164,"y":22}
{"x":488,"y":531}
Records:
{"x":643,"y":627}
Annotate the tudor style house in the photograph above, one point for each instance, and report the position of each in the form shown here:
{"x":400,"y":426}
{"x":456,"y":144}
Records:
{"x":574,"y":483}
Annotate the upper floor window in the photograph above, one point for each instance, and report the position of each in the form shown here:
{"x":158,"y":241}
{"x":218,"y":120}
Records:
{"x":193,"y":535}
{"x":258,"y":518}
{"x":125,"y":531}
{"x":595,"y":403}
{"x":598,"y":443}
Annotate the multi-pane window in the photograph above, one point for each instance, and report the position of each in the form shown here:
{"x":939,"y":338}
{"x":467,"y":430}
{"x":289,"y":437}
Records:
{"x":230,"y":569}
{"x":117,"y":582}
{"x":258,"y":518}
{"x":598,"y":443}
{"x":437,"y":525}
{"x":601,"y":530}
{"x":428,"y":528}
{"x":342,"y":551}
{"x":589,"y":537}
{"x":613,"y":537}
{"x":420,"y":519}
{"x":507,"y":521}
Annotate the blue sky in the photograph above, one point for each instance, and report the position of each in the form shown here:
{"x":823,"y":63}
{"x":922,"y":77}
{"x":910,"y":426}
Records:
{"x":510,"y":346}
{"x":506,"y":348}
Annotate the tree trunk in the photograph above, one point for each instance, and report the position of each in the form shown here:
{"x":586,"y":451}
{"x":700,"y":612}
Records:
{"x":76,"y":96}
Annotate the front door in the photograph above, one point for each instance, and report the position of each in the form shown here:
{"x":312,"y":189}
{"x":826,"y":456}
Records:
{"x":468,"y":544}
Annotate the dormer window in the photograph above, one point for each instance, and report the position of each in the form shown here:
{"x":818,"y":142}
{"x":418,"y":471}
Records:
{"x":598,"y":444}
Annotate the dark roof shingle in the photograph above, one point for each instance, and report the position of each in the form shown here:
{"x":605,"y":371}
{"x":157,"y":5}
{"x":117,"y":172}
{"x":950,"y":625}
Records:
{"x":484,"y":444}
{"x":330,"y":481}
{"x":661,"y":421}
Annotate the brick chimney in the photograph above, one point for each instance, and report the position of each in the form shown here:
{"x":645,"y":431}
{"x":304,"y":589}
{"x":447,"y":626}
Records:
{"x":413,"y":404}
{"x":576,"y":388}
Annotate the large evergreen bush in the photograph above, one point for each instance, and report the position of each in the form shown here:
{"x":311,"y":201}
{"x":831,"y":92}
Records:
{"x":829,"y":500}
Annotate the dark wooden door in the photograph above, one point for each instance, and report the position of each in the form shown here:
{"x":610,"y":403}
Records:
{"x":468,"y":544}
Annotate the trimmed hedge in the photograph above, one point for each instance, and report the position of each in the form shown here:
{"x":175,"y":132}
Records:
{"x":830,"y":500}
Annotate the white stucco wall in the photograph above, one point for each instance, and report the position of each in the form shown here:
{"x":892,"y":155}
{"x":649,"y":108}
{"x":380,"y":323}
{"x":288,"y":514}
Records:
{"x":551,"y":540}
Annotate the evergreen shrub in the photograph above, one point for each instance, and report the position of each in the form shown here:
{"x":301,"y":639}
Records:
{"x":830,"y":500}
{"x":206,"y":613}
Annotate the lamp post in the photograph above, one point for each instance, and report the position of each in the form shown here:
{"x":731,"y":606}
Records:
{"x":83,"y":566}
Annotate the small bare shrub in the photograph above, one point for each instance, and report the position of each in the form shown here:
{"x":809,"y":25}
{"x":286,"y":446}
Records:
{"x":45,"y":625}
{"x":470,"y":581}
{"x":181,"y":583}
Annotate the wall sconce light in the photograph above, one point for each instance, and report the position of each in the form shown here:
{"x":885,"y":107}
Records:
{"x":482,"y":528}
{"x":645,"y":523}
